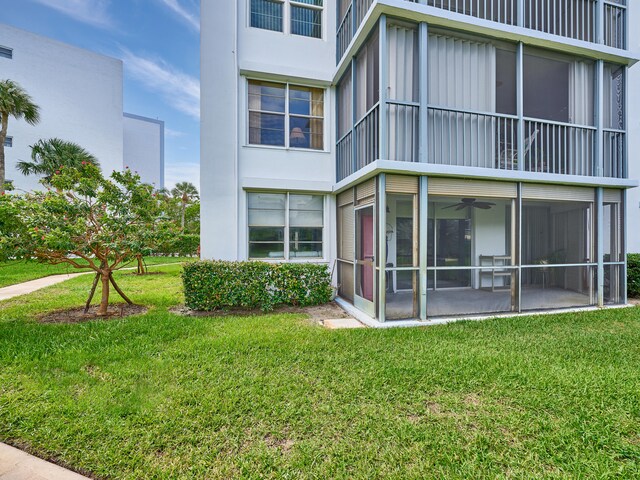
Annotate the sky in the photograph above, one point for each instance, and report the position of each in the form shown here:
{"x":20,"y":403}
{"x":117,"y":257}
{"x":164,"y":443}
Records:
{"x":159,"y":43}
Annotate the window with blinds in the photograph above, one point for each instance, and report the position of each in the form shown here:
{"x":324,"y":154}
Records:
{"x":285,"y":226}
{"x":286,"y":115}
{"x":267,"y":14}
{"x":305,"y":16}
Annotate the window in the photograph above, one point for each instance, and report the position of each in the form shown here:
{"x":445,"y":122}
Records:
{"x":276,"y":108}
{"x":306,"y":18}
{"x":285,"y":226}
{"x":266,"y":14}
{"x":6,"y":52}
{"x":8,"y":142}
{"x":305,"y":15}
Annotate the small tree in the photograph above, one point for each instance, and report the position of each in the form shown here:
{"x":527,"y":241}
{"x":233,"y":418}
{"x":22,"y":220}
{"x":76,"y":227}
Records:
{"x":48,"y":156}
{"x":107,"y":222}
{"x":185,"y":191}
{"x":14,"y":102}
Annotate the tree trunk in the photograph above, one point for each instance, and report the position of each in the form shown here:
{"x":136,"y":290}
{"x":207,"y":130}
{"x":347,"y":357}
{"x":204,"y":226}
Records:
{"x":115,"y":285}
{"x":3,"y":137}
{"x":104,"y":301}
{"x":93,"y":291}
{"x":141,"y":268}
{"x":184,"y":206}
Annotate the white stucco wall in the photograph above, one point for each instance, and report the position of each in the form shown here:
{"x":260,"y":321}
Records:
{"x":79,"y":94}
{"x":143,"y":145}
{"x":232,"y":52}
{"x":633,"y":196}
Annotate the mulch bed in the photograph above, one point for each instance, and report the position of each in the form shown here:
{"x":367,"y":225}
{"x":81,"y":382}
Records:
{"x":317,"y":313}
{"x":77,"y":315}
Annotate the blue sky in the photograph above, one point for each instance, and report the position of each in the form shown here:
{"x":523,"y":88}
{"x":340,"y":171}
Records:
{"x":159,"y":42}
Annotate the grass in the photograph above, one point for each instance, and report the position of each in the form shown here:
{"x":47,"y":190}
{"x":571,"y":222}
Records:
{"x":273,"y":396}
{"x":18,"y":271}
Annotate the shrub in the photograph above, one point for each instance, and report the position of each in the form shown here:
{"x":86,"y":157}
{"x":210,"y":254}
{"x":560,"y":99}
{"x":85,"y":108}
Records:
{"x":633,"y":275}
{"x":183,"y":245}
{"x":216,"y":285}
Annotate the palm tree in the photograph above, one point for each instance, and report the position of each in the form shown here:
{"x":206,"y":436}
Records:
{"x":14,"y":102}
{"x":49,"y":155}
{"x":185,"y":191}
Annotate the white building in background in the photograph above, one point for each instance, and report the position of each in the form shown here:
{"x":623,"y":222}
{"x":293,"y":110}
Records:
{"x":80,"y":95}
{"x":144,"y":147}
{"x":445,"y":157}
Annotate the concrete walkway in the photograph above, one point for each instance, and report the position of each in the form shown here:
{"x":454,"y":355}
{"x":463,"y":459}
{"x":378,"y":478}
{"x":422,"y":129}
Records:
{"x":28,"y":287}
{"x":31,"y":286}
{"x":18,"y":465}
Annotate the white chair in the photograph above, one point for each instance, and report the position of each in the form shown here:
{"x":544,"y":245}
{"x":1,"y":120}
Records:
{"x":509,"y":156}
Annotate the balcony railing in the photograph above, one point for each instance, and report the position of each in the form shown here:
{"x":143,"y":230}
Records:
{"x":466,"y":138}
{"x":472,"y":139}
{"x":614,"y":154}
{"x":403,"y":128}
{"x":344,"y":156}
{"x":615,"y":24}
{"x":345,"y":33}
{"x":567,"y":18}
{"x":503,"y":11}
{"x":366,"y":138}
{"x":559,"y":148}
{"x":359,"y":147}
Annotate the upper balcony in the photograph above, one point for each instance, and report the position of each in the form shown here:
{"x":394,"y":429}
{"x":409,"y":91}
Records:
{"x":419,"y":94}
{"x":596,"y":21}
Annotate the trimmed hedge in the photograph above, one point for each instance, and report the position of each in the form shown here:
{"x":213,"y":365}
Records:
{"x":633,"y":275}
{"x":217,"y":285}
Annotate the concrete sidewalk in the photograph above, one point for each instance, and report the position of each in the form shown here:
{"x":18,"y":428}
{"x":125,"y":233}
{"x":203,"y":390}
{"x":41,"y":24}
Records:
{"x":33,"y":285}
{"x":18,"y":465}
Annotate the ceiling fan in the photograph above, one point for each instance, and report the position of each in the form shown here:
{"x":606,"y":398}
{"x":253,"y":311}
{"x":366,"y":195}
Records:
{"x":471,"y":203}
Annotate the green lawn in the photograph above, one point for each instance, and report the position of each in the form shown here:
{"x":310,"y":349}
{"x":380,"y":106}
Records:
{"x":273,"y":396}
{"x":15,"y":271}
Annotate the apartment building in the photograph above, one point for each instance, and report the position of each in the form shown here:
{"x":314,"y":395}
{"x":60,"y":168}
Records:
{"x":445,"y":157}
{"x":80,"y":95}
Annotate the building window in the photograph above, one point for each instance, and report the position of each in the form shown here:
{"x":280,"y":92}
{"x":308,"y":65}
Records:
{"x":267,"y":14}
{"x":286,"y":115}
{"x":285,"y":225}
{"x":6,"y":52}
{"x":8,"y":142}
{"x":306,"y":18}
{"x":305,"y":15}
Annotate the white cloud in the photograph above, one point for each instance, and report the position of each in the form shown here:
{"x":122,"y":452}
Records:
{"x":180,"y":90}
{"x":91,"y":12}
{"x":181,"y":172}
{"x":190,"y":17}
{"x":168,"y":132}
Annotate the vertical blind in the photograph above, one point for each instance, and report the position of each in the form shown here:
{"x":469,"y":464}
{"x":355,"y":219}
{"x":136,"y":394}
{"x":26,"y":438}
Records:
{"x":266,"y":14}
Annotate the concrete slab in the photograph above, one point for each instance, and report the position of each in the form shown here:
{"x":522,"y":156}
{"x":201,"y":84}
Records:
{"x":18,"y":465}
{"x":33,"y":285}
{"x":341,"y":323}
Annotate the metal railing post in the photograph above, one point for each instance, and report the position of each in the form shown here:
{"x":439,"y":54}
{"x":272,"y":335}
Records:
{"x":599,"y":111}
{"x":423,"y":85}
{"x":600,"y":244}
{"x":520,"y":103}
{"x":423,"y":243}
{"x":381,"y":247}
{"x":383,"y":142}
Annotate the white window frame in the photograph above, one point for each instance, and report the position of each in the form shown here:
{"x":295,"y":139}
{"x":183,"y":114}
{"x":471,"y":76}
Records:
{"x":287,"y":257}
{"x":287,"y":117}
{"x":287,"y":17}
{"x":8,"y":141}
